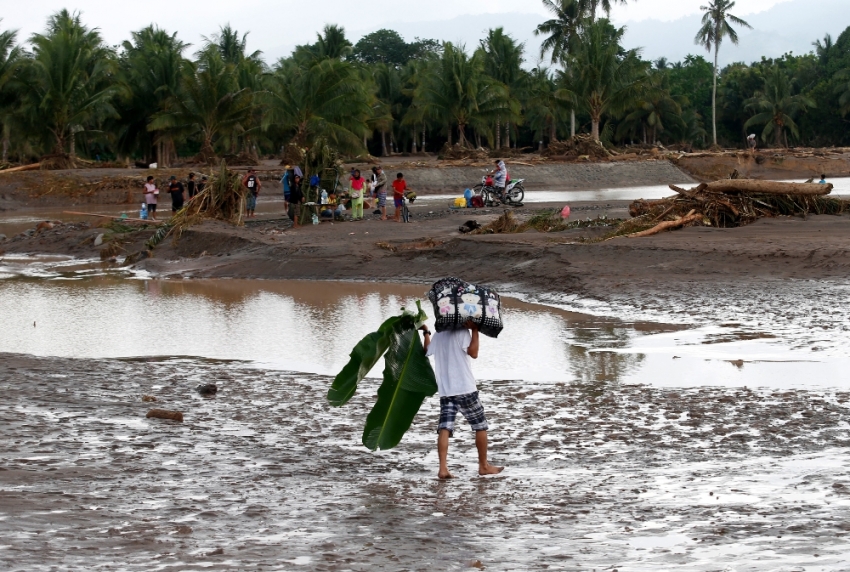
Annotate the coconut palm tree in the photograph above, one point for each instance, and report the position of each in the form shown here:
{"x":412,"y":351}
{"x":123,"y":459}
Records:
{"x":717,"y":25}
{"x":607,"y":79}
{"x":71,"y":80}
{"x":209,"y":103}
{"x":151,"y":66}
{"x":546,"y":105}
{"x":458,"y":94}
{"x":10,"y":60}
{"x":776,"y":106}
{"x":656,"y":111}
{"x":327,"y":101}
{"x":503,"y":58}
{"x":842,"y":88}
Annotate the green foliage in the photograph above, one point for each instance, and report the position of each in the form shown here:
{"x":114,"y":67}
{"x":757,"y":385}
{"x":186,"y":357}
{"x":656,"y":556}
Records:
{"x":408,"y":378}
{"x":70,"y":80}
{"x":776,"y":106}
{"x":389,"y":48}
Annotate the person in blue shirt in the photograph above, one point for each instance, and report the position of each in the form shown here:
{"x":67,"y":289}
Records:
{"x":822,"y":180}
{"x":286,"y":183}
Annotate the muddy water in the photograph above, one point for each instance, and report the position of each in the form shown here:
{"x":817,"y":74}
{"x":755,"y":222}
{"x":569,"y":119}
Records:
{"x":600,"y":476}
{"x":606,"y":468}
{"x":69,"y":309}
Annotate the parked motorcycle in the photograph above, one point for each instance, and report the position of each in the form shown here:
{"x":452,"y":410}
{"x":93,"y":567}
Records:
{"x":491,"y":196}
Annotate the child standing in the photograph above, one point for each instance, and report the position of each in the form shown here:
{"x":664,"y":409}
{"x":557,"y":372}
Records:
{"x":399,"y":186}
{"x":357,"y":188}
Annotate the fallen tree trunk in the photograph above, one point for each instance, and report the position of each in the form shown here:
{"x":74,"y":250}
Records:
{"x":667,"y":225}
{"x":767,"y":187}
{"x":33,"y":167}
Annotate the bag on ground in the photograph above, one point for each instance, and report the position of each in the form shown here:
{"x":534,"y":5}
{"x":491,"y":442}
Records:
{"x":456,"y":302}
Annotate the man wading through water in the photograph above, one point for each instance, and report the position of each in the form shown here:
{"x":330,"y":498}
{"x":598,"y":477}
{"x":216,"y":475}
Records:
{"x":453,"y":352}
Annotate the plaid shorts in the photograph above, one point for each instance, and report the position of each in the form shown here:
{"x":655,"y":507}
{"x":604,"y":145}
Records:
{"x":382,"y":199}
{"x":469,"y":405}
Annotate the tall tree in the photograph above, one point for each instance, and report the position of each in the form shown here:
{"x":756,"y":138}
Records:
{"x":326,"y":102}
{"x":209,"y":104}
{"x":150,"y":66}
{"x":458,"y":93}
{"x":776,"y":106}
{"x":608,"y":80}
{"x":717,"y":25}
{"x":71,"y":84}
{"x":503,"y":58}
{"x":10,"y":60}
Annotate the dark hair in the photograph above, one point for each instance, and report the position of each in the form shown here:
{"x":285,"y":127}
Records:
{"x":173,"y":178}
{"x":374,"y":169}
{"x":400,"y":176}
{"x":357,"y":172}
{"x":823,"y":176}
{"x":191,"y":175}
{"x":150,"y":177}
{"x":497,"y":161}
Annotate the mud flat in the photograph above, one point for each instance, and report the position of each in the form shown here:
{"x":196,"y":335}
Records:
{"x":267,"y":475}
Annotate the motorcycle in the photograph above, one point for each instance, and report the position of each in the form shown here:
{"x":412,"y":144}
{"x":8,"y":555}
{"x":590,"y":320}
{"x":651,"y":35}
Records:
{"x":490,"y":195}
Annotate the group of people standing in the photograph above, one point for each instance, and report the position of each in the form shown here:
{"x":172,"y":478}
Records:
{"x":177,"y":191}
{"x":377,"y":188}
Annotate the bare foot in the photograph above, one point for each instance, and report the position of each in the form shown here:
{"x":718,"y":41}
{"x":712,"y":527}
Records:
{"x":445,"y":475}
{"x":489,"y":469}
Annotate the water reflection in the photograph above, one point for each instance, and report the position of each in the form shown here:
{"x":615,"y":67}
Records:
{"x":298,"y":326}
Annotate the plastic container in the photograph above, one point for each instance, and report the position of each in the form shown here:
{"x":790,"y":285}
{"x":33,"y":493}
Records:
{"x":324,"y":197}
{"x":315,"y":218}
{"x":143,"y":213}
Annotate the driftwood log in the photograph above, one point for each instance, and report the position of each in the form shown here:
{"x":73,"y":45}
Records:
{"x":164,"y":414}
{"x":667,"y":225}
{"x":767,"y":187}
{"x":33,"y":167}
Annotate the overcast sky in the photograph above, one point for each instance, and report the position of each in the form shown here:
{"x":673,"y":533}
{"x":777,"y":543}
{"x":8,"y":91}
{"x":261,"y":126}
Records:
{"x":277,"y":25}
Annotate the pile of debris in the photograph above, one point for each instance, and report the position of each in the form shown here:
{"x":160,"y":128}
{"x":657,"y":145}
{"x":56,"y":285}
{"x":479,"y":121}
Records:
{"x":578,"y":146}
{"x":738,"y":202}
{"x":458,"y":151}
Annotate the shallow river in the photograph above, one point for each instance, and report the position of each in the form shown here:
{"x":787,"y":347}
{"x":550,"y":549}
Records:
{"x":630,"y":440}
{"x":65,"y":308}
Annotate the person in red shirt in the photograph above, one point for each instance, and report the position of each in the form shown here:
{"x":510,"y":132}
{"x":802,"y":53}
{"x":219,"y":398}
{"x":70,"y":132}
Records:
{"x":399,"y":186}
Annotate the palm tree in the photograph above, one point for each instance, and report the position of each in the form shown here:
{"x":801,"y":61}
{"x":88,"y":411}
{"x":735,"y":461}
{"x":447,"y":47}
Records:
{"x":776,"y":106}
{"x":842,"y":88}
{"x":10,"y":60}
{"x":325,"y":103}
{"x":209,"y":104}
{"x":658,"y":110}
{"x":503,"y":58}
{"x":606,"y":82}
{"x":457,"y":93}
{"x":717,"y":25}
{"x":546,"y":104}
{"x":71,"y":81}
{"x":151,"y":68}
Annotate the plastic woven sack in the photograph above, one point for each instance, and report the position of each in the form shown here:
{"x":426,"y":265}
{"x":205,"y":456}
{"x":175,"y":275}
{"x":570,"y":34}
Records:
{"x":460,"y":202}
{"x":456,"y":302}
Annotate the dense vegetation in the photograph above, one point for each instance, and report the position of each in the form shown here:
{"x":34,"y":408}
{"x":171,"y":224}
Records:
{"x":64,"y":94}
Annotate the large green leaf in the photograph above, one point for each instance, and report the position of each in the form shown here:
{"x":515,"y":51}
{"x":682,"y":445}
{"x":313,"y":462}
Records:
{"x":408,"y":380}
{"x":364,"y":356}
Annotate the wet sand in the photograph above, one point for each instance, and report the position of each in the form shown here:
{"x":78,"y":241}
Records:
{"x":267,"y":476}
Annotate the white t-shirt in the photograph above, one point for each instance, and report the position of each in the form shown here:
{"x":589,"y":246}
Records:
{"x":501,"y":177}
{"x":453,"y":364}
{"x":150,"y":193}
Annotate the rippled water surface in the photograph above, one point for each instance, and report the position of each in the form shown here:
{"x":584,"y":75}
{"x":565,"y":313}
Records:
{"x":67,"y":308}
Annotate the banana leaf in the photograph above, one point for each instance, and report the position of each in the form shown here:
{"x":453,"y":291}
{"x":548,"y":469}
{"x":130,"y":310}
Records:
{"x":408,"y":380}
{"x":364,"y":356}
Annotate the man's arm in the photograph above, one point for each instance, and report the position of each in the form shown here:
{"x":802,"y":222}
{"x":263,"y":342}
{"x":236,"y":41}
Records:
{"x":427,"y":333}
{"x":472,"y":350}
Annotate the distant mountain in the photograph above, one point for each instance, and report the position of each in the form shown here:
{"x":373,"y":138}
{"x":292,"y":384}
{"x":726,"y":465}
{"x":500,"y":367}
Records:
{"x":789,"y":26}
